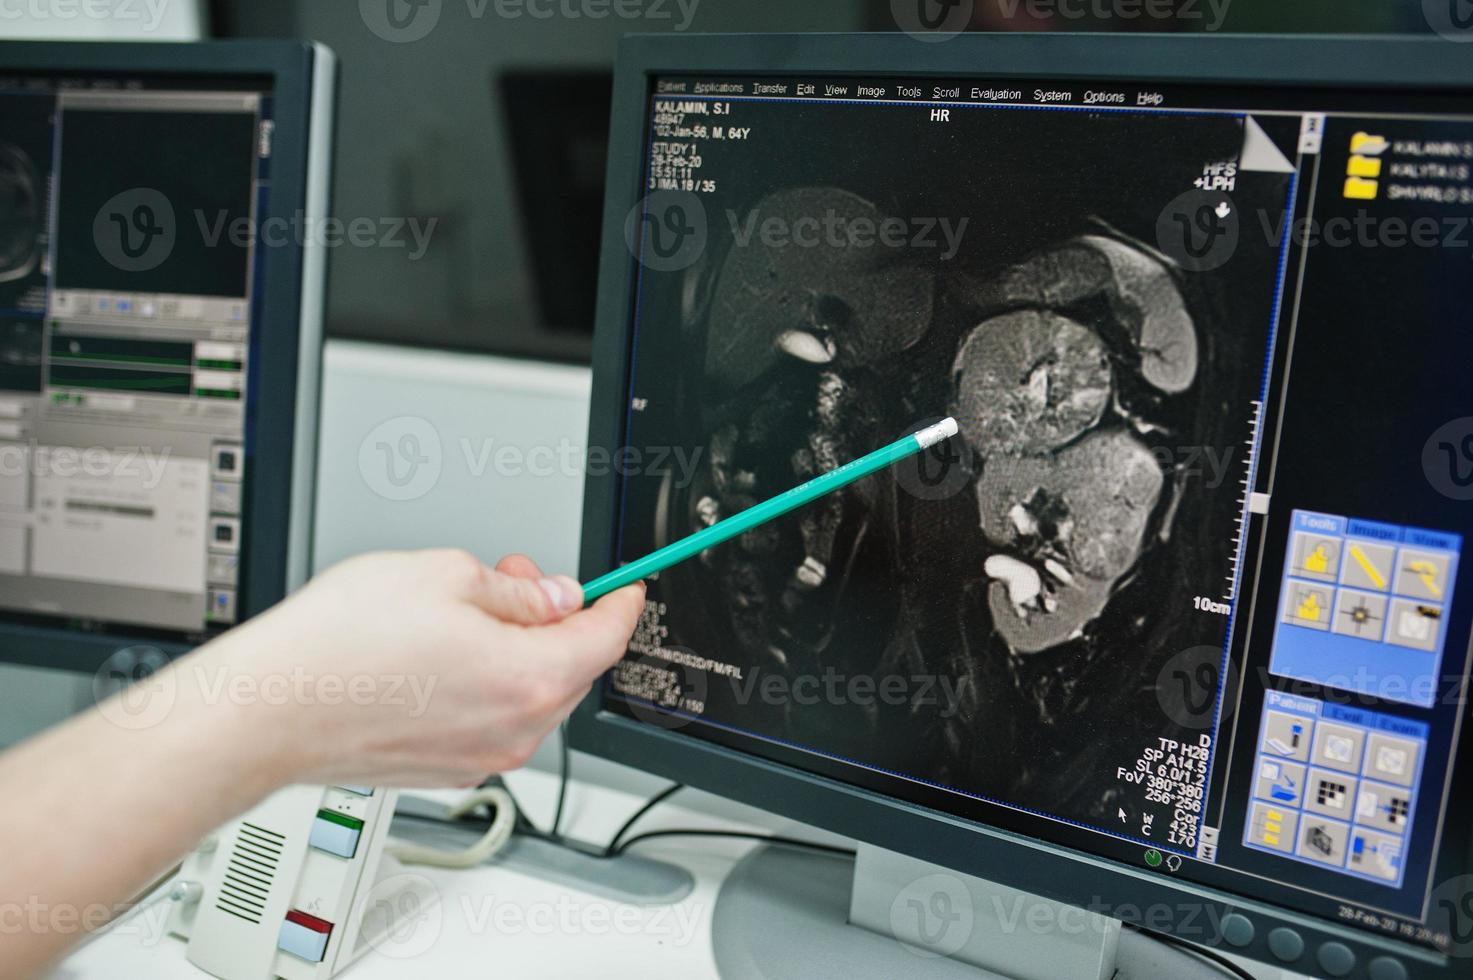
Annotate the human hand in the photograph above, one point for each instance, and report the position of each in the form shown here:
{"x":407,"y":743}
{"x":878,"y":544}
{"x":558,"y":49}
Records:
{"x":417,"y":669}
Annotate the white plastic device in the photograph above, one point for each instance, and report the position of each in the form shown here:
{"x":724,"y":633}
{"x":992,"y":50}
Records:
{"x":297,"y":888}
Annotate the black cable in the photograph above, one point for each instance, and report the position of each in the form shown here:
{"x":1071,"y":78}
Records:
{"x":1217,"y":959}
{"x":524,"y":824}
{"x":618,"y":845}
{"x":737,"y":835}
{"x":612,"y":852}
{"x":468,"y":820}
{"x":654,"y":801}
{"x":564,"y":771}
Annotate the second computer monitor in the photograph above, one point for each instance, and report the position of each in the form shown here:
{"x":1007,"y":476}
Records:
{"x":160,"y":308}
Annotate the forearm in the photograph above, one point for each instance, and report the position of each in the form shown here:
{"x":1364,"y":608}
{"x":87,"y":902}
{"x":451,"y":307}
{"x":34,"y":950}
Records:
{"x":423,"y":669}
{"x":98,"y":807}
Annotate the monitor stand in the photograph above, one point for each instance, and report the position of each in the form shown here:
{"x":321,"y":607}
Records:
{"x":787,"y":914}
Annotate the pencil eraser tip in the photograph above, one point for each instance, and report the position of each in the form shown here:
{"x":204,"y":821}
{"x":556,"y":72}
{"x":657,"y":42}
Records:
{"x":937,"y":433}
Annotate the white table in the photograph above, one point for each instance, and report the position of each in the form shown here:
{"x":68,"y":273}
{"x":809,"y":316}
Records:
{"x":497,"y":922}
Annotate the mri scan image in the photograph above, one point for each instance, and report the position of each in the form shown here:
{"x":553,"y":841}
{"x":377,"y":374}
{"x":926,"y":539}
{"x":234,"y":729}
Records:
{"x":1010,"y":599}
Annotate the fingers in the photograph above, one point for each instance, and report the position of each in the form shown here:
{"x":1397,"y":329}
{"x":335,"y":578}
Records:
{"x":597,"y":637}
{"x":519,"y":566}
{"x":516,"y":597}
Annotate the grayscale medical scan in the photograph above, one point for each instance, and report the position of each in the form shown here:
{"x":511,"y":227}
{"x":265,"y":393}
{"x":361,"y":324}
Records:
{"x":1044,"y":562}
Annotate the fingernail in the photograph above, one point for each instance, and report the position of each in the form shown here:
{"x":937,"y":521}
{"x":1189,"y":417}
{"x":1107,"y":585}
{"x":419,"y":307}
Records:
{"x":566,"y":595}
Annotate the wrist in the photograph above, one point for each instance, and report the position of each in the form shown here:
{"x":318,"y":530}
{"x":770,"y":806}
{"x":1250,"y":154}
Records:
{"x":234,"y":702}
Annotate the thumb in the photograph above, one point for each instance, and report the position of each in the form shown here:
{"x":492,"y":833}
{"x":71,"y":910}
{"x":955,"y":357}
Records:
{"x":526,"y":601}
{"x":596,"y":638}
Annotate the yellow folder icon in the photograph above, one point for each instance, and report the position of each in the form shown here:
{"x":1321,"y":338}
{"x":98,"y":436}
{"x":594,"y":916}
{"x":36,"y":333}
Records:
{"x":1360,"y":189}
{"x":1272,"y":827}
{"x":1368,"y":144}
{"x":1364,"y":167}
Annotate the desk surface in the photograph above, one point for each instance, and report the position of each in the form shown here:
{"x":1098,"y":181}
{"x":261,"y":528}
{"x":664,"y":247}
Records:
{"x":494,"y":921}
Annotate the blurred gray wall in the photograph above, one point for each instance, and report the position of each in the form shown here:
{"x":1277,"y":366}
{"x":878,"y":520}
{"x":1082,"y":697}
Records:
{"x":421,"y":133}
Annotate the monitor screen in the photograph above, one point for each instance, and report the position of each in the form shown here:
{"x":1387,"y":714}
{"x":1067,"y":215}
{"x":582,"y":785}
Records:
{"x":130,"y":294}
{"x":1187,"y":591}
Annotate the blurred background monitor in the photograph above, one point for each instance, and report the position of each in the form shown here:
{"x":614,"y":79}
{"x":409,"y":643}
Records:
{"x":161,"y":291}
{"x":560,"y":185}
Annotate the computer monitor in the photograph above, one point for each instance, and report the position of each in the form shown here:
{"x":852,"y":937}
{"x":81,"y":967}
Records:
{"x":1180,"y":620}
{"x":160,"y":335}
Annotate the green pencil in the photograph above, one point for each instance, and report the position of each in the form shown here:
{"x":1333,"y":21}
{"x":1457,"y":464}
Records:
{"x":674,"y":554}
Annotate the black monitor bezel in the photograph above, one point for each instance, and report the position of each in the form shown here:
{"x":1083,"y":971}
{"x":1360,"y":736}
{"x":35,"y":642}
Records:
{"x":289,"y":67}
{"x":1401,"y":64}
